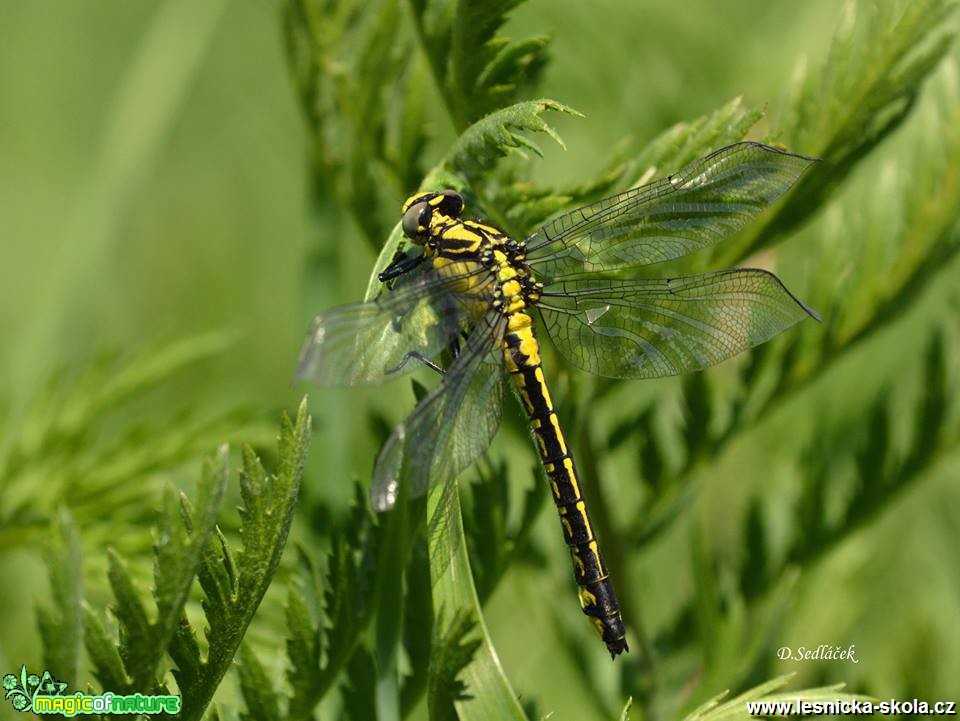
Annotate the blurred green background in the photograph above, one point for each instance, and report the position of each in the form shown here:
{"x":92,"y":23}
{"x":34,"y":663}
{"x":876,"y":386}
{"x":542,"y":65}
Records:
{"x":155,"y":186}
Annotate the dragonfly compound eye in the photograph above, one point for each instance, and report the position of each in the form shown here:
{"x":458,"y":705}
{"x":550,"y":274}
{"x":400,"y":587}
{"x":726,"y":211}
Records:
{"x":416,"y":222}
{"x":451,"y":203}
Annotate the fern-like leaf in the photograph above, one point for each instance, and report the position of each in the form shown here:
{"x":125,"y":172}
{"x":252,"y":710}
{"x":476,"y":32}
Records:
{"x":256,"y":686}
{"x":234,"y":588}
{"x":881,"y":54}
{"x":452,"y":651}
{"x":477,"y":70}
{"x":497,"y":135}
{"x":716,"y":709}
{"x":61,"y":626}
{"x":180,"y":543}
{"x":489,"y":694}
{"x":69,"y":438}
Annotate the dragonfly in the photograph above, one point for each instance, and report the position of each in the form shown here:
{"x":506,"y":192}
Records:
{"x":468,"y":290}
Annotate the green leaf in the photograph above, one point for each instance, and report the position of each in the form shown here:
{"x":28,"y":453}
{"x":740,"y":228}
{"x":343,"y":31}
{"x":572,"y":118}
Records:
{"x":184,"y":540}
{"x":135,"y":649}
{"x":390,"y":605}
{"x":361,"y":91}
{"x":183,"y":534}
{"x":451,"y":652}
{"x":497,"y":135}
{"x":259,"y":696}
{"x":861,"y":286}
{"x":318,"y":650}
{"x":304,"y":647}
{"x":476,"y":69}
{"x":360,"y":694}
{"x":520,"y":207}
{"x":182,"y":537}
{"x":492,"y":542}
{"x":714,"y":710}
{"x":84,"y":437}
{"x":418,"y":633}
{"x":103,"y":652}
{"x":234,"y":588}
{"x":61,"y":626}
{"x":488,"y":694}
{"x":882,"y":52}
{"x":686,"y":141}
{"x":882,"y":473}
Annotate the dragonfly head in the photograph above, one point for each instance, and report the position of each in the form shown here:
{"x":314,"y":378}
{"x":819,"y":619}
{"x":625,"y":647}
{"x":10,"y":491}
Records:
{"x":423,"y":210}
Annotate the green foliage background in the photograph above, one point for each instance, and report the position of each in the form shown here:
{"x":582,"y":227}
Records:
{"x":185,"y":184}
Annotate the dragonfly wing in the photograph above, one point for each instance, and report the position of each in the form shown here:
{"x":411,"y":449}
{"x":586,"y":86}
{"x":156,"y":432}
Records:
{"x":451,"y":426}
{"x":692,"y":209}
{"x":666,"y":326}
{"x":367,"y":343}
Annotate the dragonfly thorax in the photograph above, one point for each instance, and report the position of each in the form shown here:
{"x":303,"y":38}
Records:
{"x":489,"y":262}
{"x":453,"y":246}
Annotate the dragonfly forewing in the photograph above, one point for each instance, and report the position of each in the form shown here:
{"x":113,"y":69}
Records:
{"x":691,"y":209}
{"x":368,"y":343}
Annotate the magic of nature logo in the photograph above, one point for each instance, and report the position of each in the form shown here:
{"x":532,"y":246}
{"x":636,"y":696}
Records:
{"x":44,"y":694}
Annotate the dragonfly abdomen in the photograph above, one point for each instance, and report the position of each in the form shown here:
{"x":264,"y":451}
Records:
{"x":597,"y":598}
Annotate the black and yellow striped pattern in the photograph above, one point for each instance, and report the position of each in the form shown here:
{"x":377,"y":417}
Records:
{"x":467,"y":281}
{"x":450,"y":243}
{"x":597,"y":598}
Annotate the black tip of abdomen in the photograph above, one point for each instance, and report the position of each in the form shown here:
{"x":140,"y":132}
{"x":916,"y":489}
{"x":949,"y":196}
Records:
{"x":617,"y":647}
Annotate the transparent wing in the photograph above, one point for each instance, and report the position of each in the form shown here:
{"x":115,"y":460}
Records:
{"x":676,"y":215}
{"x":366,"y":343}
{"x":451,"y":426}
{"x":666,"y":326}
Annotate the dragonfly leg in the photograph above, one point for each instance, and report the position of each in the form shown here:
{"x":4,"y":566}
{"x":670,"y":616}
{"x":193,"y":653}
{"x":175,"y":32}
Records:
{"x":454,"y":349}
{"x":400,"y":264}
{"x":413,"y":355}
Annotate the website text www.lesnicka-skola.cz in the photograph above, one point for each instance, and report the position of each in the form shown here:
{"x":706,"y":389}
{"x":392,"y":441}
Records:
{"x":851,"y":707}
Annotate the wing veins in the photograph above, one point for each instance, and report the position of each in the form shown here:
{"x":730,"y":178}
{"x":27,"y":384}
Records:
{"x":361,"y":343}
{"x":656,"y":327}
{"x":676,"y":215}
{"x":413,"y":453}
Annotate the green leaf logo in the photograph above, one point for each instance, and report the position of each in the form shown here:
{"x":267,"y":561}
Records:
{"x":21,"y":691}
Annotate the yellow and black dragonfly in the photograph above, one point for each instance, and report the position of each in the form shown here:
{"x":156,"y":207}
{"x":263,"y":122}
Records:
{"x":468,"y":287}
